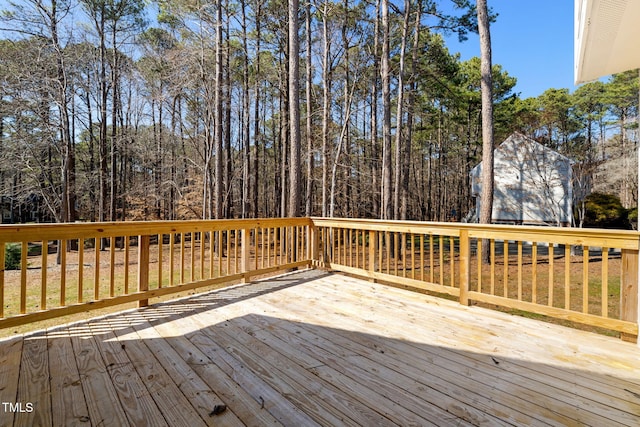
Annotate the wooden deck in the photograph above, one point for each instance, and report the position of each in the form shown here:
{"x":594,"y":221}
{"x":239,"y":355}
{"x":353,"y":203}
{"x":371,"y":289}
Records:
{"x":314,"y":348}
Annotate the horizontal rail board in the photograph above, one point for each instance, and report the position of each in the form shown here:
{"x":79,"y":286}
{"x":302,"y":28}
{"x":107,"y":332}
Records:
{"x":70,"y":231}
{"x":559,"y":313}
{"x":399,"y":227}
{"x":622,"y":239}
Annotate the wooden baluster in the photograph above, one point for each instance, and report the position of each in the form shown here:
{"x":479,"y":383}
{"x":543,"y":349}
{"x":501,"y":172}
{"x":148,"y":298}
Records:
{"x":182,"y":257}
{"x":172,"y":252}
{"x":96,"y":272}
{"x":143,"y":268}
{"x":202,"y":255}
{"x":431,"y":259}
{"x":585,"y":279}
{"x":567,"y":277}
{"x":629,"y":290}
{"x":422,"y":257}
{"x":43,"y":279}
{"x":534,"y":272}
{"x":505,"y":273}
{"x":23,"y":277}
{"x":465,"y":264}
{"x":244,"y":262}
{"x":372,"y":250}
{"x":479,"y":249}
{"x":492,"y":250}
{"x":605,"y":282}
{"x":551,"y":274}
{"x":160,"y":250}
{"x":519,"y":270}
{"x":452,"y":258}
{"x":112,"y":266}
{"x":441,"y":241}
{"x":63,"y":273}
{"x":127,"y":253}
{"x":192,"y":275}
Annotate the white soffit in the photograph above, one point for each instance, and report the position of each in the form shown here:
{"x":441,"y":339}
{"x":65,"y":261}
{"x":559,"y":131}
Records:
{"x":607,"y":38}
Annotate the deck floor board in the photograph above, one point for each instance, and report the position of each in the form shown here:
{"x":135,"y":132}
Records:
{"x":314,"y":348}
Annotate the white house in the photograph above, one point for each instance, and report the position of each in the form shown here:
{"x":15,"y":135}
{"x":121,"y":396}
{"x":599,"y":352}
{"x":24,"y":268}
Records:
{"x":532,"y":184}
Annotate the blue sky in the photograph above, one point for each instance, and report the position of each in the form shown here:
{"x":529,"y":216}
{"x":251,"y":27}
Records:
{"x":532,"y":40}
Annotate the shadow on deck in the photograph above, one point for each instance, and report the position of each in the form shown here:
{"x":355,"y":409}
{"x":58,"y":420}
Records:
{"x":315,"y":348}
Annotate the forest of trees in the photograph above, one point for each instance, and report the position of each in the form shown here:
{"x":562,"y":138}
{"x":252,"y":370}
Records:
{"x":181,"y":109}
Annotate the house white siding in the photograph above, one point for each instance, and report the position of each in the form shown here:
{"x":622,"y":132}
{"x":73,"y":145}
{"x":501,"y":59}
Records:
{"x":532,"y":183}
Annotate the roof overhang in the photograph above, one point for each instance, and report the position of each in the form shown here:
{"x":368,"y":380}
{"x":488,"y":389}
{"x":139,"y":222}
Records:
{"x":607,"y":38}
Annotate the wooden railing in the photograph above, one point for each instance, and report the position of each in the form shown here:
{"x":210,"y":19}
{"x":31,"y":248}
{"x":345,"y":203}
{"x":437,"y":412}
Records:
{"x":69,"y":268}
{"x":581,"y":275}
{"x":585,"y":276}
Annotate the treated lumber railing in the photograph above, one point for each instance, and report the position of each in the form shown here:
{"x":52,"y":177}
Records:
{"x":70,"y":268}
{"x":581,"y":275}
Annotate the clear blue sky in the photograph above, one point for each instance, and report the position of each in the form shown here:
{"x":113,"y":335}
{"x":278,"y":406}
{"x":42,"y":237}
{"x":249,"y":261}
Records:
{"x":532,"y":40}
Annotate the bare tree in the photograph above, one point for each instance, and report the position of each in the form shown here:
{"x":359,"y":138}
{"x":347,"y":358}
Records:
{"x":217,"y":211}
{"x":309,"y":83}
{"x":294,"y":111}
{"x":486,"y":88}
{"x":387,"y":208}
{"x":487,"y":112}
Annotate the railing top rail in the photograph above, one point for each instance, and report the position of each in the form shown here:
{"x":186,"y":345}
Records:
{"x":623,"y":239}
{"x":35,"y":232}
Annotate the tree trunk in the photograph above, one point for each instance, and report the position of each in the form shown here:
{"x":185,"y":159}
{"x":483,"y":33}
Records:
{"x":246,"y":161}
{"x":326,"y":106}
{"x":256,"y":110}
{"x":400,"y":171}
{"x":294,"y":111}
{"x":486,"y":198}
{"x":387,"y":208}
{"x":217,"y":186}
{"x":374,"y":170}
{"x":309,"y":83}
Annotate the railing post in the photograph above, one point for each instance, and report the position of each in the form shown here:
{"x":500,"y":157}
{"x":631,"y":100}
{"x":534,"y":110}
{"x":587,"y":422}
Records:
{"x":312,"y":242}
{"x":143,"y":267}
{"x":373,"y":243}
{"x":629,"y":291}
{"x":244,"y":260}
{"x":465,"y":260}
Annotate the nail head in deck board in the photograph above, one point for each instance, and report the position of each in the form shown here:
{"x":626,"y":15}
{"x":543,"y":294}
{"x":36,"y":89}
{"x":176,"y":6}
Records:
{"x":257,"y":385}
{"x":134,"y":397}
{"x":233,"y":395}
{"x":252,"y":351}
{"x":327,"y":342}
{"x":280,"y":378}
{"x":67,"y":397}
{"x":102,"y":400}
{"x":33,"y":385}
{"x":160,"y":386}
{"x":198,"y":393}
{"x":337,"y":399}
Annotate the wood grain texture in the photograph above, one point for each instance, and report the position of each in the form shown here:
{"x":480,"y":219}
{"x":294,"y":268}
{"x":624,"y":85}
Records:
{"x":315,"y":348}
{"x":68,"y":403}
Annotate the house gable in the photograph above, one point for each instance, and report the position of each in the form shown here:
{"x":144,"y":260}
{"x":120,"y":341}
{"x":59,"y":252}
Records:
{"x":532,"y":183}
